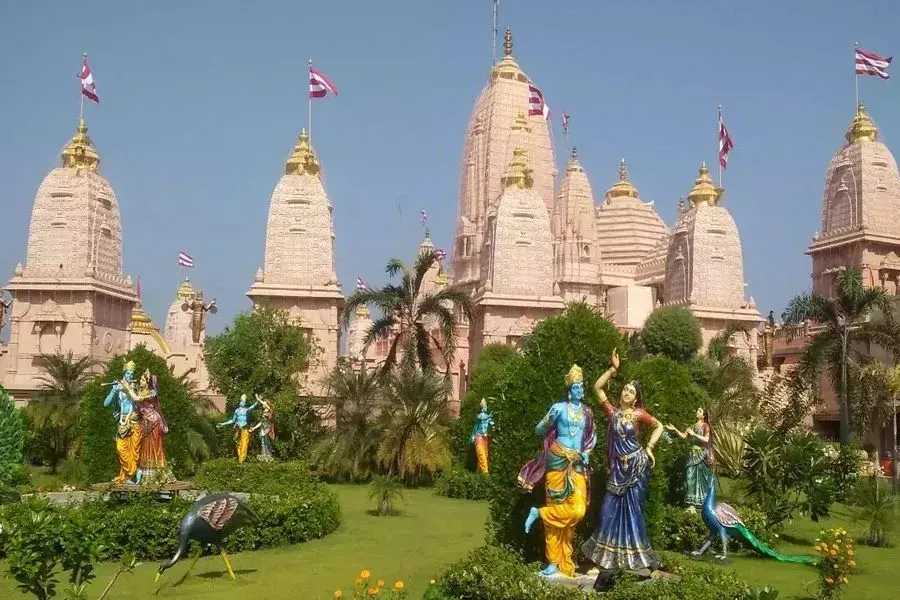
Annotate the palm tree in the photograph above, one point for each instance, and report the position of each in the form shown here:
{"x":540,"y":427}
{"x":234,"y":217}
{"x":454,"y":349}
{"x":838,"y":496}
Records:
{"x":846,"y":323}
{"x":730,"y":381}
{"x":350,"y":450}
{"x":405,"y":310}
{"x":414,"y":442}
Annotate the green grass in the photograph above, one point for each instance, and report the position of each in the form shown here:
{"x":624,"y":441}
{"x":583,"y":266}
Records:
{"x":430,"y":533}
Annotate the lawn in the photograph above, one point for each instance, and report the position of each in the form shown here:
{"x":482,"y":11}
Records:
{"x":415,"y":546}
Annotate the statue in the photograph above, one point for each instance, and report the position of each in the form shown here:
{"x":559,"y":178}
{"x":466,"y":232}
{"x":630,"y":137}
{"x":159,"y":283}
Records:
{"x":266,"y":427}
{"x":481,"y":432}
{"x":770,"y":320}
{"x":4,"y":306}
{"x":239,"y":420}
{"x":700,"y":460}
{"x":128,"y":434}
{"x":569,"y":437}
{"x":198,"y":308}
{"x":152,"y":466}
{"x":620,"y":539}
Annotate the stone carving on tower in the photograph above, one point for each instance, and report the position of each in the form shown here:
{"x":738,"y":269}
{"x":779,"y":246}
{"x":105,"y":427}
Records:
{"x":576,"y":260}
{"x":859,"y":212}
{"x":705,"y":268}
{"x":71,"y":293}
{"x":299,"y":270}
{"x":177,"y":332}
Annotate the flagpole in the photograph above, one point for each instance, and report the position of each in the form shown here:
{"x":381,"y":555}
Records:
{"x":856,"y":74}
{"x":496,"y":9}
{"x":309,"y":115}
{"x":81,"y":91}
{"x":719,"y":144}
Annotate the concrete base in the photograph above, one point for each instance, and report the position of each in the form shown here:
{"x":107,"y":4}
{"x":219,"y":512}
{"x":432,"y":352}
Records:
{"x":587,"y":581}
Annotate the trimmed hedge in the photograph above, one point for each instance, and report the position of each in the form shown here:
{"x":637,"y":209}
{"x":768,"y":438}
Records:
{"x":672,"y":331}
{"x":456,"y":482}
{"x":257,"y":477}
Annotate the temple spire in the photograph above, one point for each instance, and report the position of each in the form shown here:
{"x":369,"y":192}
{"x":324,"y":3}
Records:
{"x":704,"y":193}
{"x":623,"y":187}
{"x":79,"y":153}
{"x":862,"y":128}
{"x":507,"y":43}
{"x":303,"y":159}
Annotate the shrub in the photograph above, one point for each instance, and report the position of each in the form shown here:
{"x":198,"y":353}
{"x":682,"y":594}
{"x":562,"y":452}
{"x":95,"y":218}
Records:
{"x":672,"y":331}
{"x":680,"y":530}
{"x":837,"y":559}
{"x":98,"y":425}
{"x":273,"y":478}
{"x":12,"y":441}
{"x":456,"y":482}
{"x":846,"y":463}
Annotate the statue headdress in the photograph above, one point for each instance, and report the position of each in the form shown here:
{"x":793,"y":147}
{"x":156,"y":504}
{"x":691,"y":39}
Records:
{"x":575,"y":375}
{"x":130,"y":366}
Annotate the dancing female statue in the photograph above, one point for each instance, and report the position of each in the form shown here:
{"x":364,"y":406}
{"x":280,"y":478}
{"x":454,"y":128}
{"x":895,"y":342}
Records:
{"x":128,"y":432}
{"x":152,"y":466}
{"x":481,"y":436}
{"x":620,"y":538}
{"x":569,"y":437}
{"x":239,"y":420}
{"x":700,"y":460}
{"x":266,"y":428}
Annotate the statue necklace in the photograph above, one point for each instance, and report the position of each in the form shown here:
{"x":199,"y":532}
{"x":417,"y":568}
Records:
{"x":575,"y":417}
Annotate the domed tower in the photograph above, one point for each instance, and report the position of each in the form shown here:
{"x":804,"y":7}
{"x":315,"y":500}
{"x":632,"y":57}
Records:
{"x":71,"y":293}
{"x":575,"y":257}
{"x":705,"y":266}
{"x":177,"y":331}
{"x":490,"y":138}
{"x":299,"y":274}
{"x":517,"y":264}
{"x":860,"y":208}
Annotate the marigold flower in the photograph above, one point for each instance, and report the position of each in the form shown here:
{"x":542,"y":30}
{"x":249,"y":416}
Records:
{"x":834,"y":553}
{"x":850,"y":552}
{"x":365,"y":574}
{"x":379,"y":583}
{"x":373,"y":591}
{"x":432,"y":582}
{"x":339,"y":594}
{"x":851,"y":564}
{"x":398,"y":585}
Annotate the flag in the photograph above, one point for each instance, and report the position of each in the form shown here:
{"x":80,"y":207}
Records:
{"x":87,"y":82}
{"x":185,"y":259}
{"x":536,"y":104}
{"x":725,"y":143}
{"x":424,"y":217}
{"x":869,"y":63}
{"x":565,"y":123}
{"x":441,"y":255}
{"x":361,"y":285}
{"x":319,"y":85}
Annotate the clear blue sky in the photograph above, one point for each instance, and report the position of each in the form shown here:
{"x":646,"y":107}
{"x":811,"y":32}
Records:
{"x":202,"y":103}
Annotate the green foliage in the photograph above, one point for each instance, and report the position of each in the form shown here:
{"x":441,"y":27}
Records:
{"x":149,"y":529}
{"x":98,"y":424}
{"x":672,"y":331}
{"x":297,"y":425}
{"x":386,"y":490}
{"x":256,"y":477}
{"x":785,"y":474}
{"x":846,"y":462}
{"x":730,"y":449}
{"x":457,"y":482}
{"x":683,"y":530}
{"x":261,"y":352}
{"x":876,"y":506}
{"x":493,"y":354}
{"x":12,"y":441}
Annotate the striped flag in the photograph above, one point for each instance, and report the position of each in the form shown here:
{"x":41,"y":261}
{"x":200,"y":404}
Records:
{"x":423,"y":217}
{"x":361,"y":285}
{"x":869,"y":63}
{"x":185,"y":259}
{"x":725,"y":142}
{"x":536,"y":104}
{"x":441,"y":255}
{"x":87,"y":82}
{"x":565,"y":123}
{"x":319,"y":85}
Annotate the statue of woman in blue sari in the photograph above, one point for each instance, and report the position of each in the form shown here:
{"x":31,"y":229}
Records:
{"x":620,"y":538}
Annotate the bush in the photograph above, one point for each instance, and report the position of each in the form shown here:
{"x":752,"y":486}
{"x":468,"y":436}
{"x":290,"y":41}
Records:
{"x":680,"y":530}
{"x":672,"y":331}
{"x":846,"y":463}
{"x":12,"y":441}
{"x":253,"y":477}
{"x":149,"y":528}
{"x":98,"y":424}
{"x":456,"y":482}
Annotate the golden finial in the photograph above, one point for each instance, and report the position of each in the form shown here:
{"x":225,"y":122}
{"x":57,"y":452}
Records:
{"x":140,"y":320}
{"x":575,"y":375}
{"x":622,"y":188}
{"x":79,"y":153}
{"x":862,"y":128}
{"x":130,"y":366}
{"x":704,"y":193}
{"x":507,"y":43}
{"x":519,"y":174}
{"x":303,"y":160}
{"x":362,"y":312}
{"x":185,"y":290}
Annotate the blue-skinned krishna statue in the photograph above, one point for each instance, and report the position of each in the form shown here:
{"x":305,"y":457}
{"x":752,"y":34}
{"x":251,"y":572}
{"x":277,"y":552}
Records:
{"x":128,"y":431}
{"x":569,"y":437}
{"x":620,"y":538}
{"x":480,"y":437}
{"x":240,"y":420}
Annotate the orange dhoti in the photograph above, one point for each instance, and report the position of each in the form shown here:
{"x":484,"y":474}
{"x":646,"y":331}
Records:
{"x":481,"y":452}
{"x":128,"y":448}
{"x":566,"y":506}
{"x":243,"y":442}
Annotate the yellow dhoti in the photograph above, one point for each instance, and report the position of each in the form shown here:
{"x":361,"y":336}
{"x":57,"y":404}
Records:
{"x":481,"y":452}
{"x":128,"y":449}
{"x":243,"y":442}
{"x":566,"y":506}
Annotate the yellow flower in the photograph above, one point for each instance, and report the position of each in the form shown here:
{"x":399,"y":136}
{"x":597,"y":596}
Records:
{"x":829,"y":580}
{"x":373,"y":591}
{"x":339,"y":594}
{"x":380,"y":583}
{"x":432,"y":582}
{"x":833,"y":553}
{"x":851,"y":564}
{"x":398,"y":585}
{"x":850,"y":552}
{"x":365,"y":574}
{"x":358,"y":580}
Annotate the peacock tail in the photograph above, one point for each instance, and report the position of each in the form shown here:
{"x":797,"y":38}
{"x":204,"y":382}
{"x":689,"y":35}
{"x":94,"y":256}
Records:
{"x":743,"y":532}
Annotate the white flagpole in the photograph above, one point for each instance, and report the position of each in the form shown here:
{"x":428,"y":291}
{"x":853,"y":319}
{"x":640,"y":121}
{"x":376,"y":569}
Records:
{"x":856,"y":76}
{"x":309,"y":115}
{"x":719,"y":144}
{"x":81,"y":90}
{"x":496,"y":30}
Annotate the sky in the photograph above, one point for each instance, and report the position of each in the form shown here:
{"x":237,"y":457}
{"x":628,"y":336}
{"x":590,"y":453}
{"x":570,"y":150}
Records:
{"x":202,"y":102}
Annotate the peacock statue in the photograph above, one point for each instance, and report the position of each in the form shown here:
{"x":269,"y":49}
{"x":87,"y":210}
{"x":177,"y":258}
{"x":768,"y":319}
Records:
{"x":209,"y":521}
{"x":724,"y":521}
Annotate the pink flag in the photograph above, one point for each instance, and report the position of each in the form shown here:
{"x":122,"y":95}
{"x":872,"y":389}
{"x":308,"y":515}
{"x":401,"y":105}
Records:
{"x":536,"y":104}
{"x":565,"y":123}
{"x":869,"y":63}
{"x":87,"y":82}
{"x":185,"y":259}
{"x":319,"y":85}
{"x":725,"y":143}
{"x":441,"y":255}
{"x":424,"y":217}
{"x":361,"y":285}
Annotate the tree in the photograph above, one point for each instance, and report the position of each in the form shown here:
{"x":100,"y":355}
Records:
{"x":672,"y":331}
{"x":406,"y":313}
{"x":12,"y":440}
{"x":728,"y":379}
{"x":262,"y":352}
{"x":848,"y":321}
{"x":54,"y":418}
